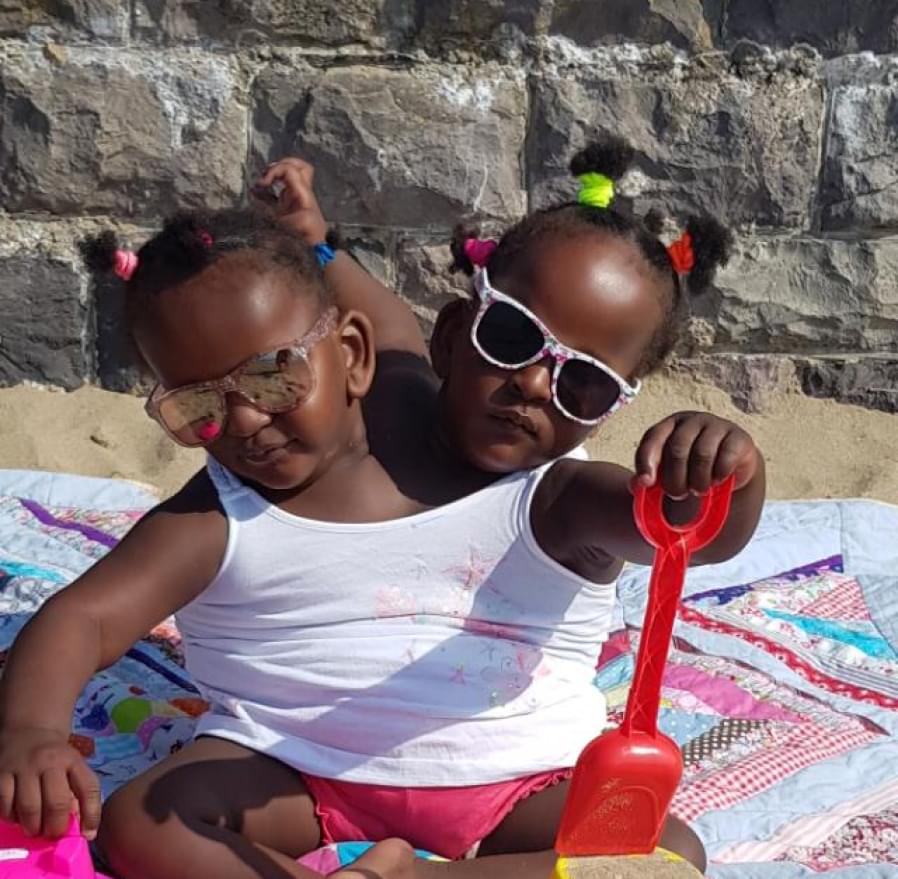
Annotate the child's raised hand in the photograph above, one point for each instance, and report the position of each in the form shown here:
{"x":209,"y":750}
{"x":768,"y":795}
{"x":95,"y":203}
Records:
{"x":289,"y":184}
{"x":690,"y":451}
{"x":43,"y":780}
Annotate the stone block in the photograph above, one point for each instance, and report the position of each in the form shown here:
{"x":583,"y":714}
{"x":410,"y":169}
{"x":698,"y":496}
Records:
{"x":119,"y":132}
{"x":42,"y":320}
{"x":408,"y":149}
{"x":678,"y":22}
{"x":480,"y":26}
{"x":376,"y":23}
{"x":69,"y":20}
{"x":744,"y":148}
{"x":489,"y":26}
{"x":424,"y":279}
{"x":751,"y":380}
{"x":870,"y":381}
{"x":794,"y":295}
{"x":834,"y":27}
{"x":860,"y":178}
{"x":118,"y":364}
{"x":373,"y":251}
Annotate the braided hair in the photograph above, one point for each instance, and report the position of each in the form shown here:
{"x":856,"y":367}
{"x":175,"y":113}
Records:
{"x":606,"y":162}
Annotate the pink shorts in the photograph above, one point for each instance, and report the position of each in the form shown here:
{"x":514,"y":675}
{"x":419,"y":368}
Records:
{"x":447,"y":821}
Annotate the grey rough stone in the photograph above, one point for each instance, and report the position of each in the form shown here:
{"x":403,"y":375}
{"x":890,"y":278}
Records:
{"x":477,"y":26}
{"x":375,"y":23}
{"x":798,"y":295}
{"x":744,"y":149}
{"x":750,"y":379}
{"x":860,"y":179}
{"x":373,"y":251}
{"x":72,"y":20}
{"x":119,"y":132}
{"x":679,"y":22}
{"x":870,"y":381}
{"x":424,"y":280}
{"x":834,"y":26}
{"x":118,"y":364}
{"x":42,"y":320}
{"x":408,"y":149}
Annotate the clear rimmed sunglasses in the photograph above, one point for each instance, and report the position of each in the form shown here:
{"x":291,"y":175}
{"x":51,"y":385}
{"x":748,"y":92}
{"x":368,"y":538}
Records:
{"x":274,"y":382}
{"x":508,"y":335}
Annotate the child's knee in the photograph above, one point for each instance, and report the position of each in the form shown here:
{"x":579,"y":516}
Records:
{"x":129,"y":837}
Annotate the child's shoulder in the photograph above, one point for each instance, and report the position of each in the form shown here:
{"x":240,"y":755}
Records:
{"x":190,"y":526}
{"x":197,"y":496}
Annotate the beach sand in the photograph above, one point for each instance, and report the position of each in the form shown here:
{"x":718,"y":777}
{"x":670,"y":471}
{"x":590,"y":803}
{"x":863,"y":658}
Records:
{"x":814,"y":448}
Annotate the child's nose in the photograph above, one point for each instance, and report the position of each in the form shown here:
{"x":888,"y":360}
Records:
{"x":244,"y":419}
{"x":534,"y":383}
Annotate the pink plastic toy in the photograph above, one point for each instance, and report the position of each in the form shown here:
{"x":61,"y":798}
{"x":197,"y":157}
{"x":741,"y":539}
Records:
{"x":25,"y":857}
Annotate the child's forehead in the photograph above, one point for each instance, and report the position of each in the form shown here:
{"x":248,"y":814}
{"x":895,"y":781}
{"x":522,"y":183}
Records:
{"x":212,"y":323}
{"x":595,"y":292}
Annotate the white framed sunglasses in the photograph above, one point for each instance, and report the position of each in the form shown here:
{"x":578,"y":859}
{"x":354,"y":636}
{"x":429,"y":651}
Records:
{"x":510,"y":336}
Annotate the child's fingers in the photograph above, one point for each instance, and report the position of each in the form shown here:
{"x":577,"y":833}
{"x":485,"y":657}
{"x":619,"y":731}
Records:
{"x":56,"y":802}
{"x":293,"y":172}
{"x":737,"y":454}
{"x":27,"y":807}
{"x":676,"y":456}
{"x":704,"y":455}
{"x":648,"y":455}
{"x":86,"y":788}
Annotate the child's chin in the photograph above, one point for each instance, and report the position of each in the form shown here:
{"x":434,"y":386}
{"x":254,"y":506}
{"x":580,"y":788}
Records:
{"x":502,"y":459}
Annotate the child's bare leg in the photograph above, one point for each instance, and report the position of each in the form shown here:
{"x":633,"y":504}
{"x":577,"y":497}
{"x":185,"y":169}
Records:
{"x":218,"y":810}
{"x":521,"y":846}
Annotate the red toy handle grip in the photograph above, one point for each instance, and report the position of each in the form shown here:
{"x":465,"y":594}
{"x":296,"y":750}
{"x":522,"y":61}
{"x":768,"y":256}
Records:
{"x":648,"y":510}
{"x":675,"y":543}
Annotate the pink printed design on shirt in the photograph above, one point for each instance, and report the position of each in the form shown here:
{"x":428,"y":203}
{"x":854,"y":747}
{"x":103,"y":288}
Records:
{"x":391,"y":601}
{"x":472,"y":575}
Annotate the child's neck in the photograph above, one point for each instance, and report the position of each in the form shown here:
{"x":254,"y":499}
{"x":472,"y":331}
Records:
{"x":351,"y":486}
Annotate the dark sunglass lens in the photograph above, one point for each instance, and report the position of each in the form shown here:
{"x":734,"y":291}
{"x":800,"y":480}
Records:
{"x":585,"y":391}
{"x":509,"y":336}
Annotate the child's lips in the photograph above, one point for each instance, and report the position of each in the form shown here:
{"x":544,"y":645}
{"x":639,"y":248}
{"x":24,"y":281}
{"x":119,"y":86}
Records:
{"x":517,"y":419}
{"x":264,"y":454}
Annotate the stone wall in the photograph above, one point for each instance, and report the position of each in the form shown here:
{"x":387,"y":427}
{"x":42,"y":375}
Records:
{"x":780,"y":116}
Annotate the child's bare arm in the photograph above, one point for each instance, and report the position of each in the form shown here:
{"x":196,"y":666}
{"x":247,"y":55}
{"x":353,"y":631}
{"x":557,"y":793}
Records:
{"x":395,"y":325}
{"x":166,"y":560}
{"x":583,"y":513}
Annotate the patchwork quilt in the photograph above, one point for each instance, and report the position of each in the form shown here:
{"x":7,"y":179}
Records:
{"x":782,"y":687}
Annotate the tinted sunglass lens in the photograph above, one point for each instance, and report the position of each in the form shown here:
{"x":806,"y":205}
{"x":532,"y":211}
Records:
{"x":194,"y":418}
{"x":508,"y":336}
{"x":585,"y":391}
{"x":279,"y":383}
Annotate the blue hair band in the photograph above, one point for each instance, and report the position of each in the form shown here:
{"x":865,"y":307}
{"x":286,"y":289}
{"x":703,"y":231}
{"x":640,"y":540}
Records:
{"x":324,"y":253}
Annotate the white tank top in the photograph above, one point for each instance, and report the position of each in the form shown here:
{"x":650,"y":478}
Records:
{"x":442,"y":649}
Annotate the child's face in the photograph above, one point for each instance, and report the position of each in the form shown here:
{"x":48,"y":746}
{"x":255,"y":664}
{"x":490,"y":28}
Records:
{"x":207,"y":327}
{"x":596,"y":294}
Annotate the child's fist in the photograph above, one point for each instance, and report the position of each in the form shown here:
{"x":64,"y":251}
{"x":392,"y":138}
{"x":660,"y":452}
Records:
{"x":288,"y":184}
{"x":691,"y":451}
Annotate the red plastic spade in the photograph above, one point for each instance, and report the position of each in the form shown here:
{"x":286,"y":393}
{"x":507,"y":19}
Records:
{"x":625,"y":779}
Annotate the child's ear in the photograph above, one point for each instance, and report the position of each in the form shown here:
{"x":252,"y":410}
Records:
{"x":451,"y":323}
{"x":357,"y":341}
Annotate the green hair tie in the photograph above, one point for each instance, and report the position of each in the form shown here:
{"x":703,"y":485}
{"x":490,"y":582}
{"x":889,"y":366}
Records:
{"x":596,"y":190}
